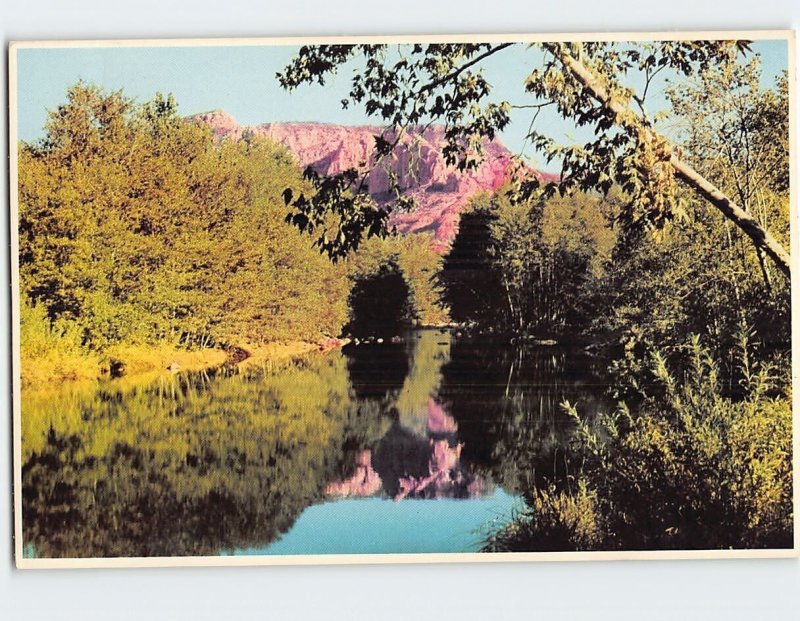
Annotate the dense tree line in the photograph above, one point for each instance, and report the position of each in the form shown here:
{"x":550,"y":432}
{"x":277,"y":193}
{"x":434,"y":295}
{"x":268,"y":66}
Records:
{"x":526,"y":266}
{"x":137,"y":227}
{"x":578,"y":264}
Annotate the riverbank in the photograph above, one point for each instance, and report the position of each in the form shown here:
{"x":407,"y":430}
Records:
{"x":58,"y":368}
{"x":275,"y":352}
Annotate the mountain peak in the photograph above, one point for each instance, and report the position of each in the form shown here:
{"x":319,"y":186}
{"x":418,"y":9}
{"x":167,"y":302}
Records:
{"x":441,"y":192}
{"x":222,"y":123}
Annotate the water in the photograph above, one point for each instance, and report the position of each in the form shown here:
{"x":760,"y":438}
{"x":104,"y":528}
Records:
{"x":424,"y":444}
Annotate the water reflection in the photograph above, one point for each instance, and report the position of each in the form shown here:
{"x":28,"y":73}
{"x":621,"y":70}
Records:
{"x":204,"y":463}
{"x":507,"y":399}
{"x":365,"y":481}
{"x":410,"y":466}
{"x":446,"y":477}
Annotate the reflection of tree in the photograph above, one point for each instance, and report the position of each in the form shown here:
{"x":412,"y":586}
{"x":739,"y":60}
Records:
{"x":507,"y":403}
{"x":193,"y":464}
{"x":507,"y":422}
{"x":400,"y":453}
{"x":377,"y":371}
{"x":431,"y":349}
{"x":419,"y":456}
{"x":187,"y":466}
{"x":407,"y":465}
{"x":425,"y":467}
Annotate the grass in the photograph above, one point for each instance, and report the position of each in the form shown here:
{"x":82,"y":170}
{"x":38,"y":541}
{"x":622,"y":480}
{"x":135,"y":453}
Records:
{"x":58,"y":366}
{"x":271,"y":352}
{"x":139,"y":359}
{"x":52,"y":353}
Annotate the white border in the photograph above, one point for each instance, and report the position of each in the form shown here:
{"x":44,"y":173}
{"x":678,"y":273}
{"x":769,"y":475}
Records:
{"x":338,"y":559}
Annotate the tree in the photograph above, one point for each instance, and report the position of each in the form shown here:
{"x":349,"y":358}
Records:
{"x":656,"y":292}
{"x":523,"y":265}
{"x":136,"y":227}
{"x":738,"y":134}
{"x":414,"y":258}
{"x":418,"y":85}
{"x":472,"y":281}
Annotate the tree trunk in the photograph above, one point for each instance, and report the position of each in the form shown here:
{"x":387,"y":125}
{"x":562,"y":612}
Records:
{"x":747,"y":223}
{"x":761,"y":238}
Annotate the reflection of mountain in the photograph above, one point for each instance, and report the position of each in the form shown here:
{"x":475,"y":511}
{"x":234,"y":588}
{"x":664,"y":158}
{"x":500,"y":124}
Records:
{"x":424,"y":467}
{"x":409,"y":466}
{"x":365,"y":481}
{"x":197,"y":463}
{"x":420,"y":455}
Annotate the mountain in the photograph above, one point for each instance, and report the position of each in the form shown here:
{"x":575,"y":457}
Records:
{"x":441,"y":192}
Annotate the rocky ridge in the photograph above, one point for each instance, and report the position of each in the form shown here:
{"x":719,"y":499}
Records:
{"x":441,"y":192}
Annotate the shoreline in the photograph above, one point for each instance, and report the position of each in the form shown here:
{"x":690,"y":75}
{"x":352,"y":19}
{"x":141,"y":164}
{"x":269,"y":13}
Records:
{"x":138,"y":362}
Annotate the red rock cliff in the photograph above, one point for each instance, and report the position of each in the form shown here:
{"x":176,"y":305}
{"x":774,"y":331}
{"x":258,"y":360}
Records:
{"x":441,"y":192}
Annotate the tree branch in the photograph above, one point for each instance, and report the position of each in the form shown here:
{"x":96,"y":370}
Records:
{"x":454,"y":74}
{"x":626,"y":117}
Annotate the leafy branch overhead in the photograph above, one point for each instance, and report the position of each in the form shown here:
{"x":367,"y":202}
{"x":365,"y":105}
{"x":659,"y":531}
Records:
{"x":410,"y":87}
{"x":356,"y":212}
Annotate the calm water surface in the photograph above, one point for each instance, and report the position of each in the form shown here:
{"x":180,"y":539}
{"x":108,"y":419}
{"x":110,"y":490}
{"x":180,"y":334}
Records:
{"x":422,"y":444}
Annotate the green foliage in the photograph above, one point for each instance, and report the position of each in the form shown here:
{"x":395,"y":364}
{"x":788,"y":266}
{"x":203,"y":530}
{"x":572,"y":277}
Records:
{"x":137,"y":228}
{"x":415,"y":260}
{"x":41,"y":336}
{"x":523,"y":265}
{"x":554,"y":521}
{"x":338,"y":209}
{"x":269,"y":284}
{"x":736,"y":132}
{"x":51,"y":350}
{"x":596,"y":84}
{"x":690,"y":468}
{"x":699,"y":274}
{"x":471,"y":281}
{"x":701,"y":457}
{"x":657,"y":292}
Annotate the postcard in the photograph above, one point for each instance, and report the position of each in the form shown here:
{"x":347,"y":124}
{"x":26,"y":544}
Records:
{"x":406,"y":299}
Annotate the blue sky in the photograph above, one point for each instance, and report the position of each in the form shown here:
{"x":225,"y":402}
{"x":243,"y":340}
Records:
{"x":241,"y":80}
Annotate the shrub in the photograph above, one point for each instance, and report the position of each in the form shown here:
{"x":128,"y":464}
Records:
{"x":691,"y":468}
{"x":51,"y":350}
{"x":555,"y":520}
